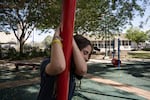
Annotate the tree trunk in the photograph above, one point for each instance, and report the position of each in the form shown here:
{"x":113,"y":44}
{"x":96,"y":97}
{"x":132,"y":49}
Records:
{"x":138,"y":48}
{"x":21,"y":48}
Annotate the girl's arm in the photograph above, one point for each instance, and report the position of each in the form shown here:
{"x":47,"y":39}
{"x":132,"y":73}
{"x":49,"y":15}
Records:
{"x":57,"y":63}
{"x":80,"y":63}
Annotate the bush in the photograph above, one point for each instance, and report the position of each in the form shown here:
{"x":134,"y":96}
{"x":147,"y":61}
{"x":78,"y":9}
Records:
{"x":140,"y":55}
{"x":11,"y":52}
{"x":146,"y":49}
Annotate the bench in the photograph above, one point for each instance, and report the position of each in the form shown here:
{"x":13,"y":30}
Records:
{"x":34,"y":66}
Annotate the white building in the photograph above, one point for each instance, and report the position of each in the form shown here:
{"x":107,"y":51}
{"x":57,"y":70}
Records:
{"x":7,"y":39}
{"x":111,"y":43}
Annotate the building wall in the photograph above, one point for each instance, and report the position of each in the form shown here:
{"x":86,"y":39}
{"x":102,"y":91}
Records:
{"x":112,"y":44}
{"x":7,"y":38}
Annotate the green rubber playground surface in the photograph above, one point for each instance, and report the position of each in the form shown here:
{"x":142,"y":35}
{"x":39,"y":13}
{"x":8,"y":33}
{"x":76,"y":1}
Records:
{"x":95,"y":91}
{"x":133,"y":73}
{"x":89,"y":91}
{"x":136,"y":74}
{"x":13,"y":75}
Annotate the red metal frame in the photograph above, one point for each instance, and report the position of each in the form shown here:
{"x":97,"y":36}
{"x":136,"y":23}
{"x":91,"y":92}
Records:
{"x":68,"y":14}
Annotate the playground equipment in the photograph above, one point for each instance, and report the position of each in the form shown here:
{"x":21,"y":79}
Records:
{"x":67,"y":23}
{"x":116,"y":62}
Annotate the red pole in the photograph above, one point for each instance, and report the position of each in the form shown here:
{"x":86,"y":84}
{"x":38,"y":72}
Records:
{"x":67,"y":27}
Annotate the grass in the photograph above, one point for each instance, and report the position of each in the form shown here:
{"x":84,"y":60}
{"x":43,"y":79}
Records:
{"x":140,"y":54}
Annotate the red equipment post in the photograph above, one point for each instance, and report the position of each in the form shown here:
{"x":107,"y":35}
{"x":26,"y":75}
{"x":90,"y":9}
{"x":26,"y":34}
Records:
{"x":68,"y":13}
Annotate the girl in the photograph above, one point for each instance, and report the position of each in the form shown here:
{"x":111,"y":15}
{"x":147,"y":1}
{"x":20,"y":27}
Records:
{"x":53,"y":66}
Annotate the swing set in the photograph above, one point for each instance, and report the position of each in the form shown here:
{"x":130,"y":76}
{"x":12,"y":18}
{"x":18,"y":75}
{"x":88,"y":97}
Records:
{"x":116,"y":62}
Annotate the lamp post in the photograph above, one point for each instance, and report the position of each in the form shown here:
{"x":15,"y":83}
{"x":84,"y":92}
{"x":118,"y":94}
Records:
{"x":107,"y":20}
{"x":105,"y":37}
{"x":33,"y":38}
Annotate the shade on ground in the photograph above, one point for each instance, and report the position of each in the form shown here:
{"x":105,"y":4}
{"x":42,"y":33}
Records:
{"x":135,"y":74}
{"x":90,"y":90}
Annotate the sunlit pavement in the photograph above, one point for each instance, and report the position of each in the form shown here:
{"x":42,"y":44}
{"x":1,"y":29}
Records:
{"x":103,"y":82}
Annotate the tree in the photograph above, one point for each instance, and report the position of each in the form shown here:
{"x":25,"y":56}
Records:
{"x":136,"y":35}
{"x":22,"y":16}
{"x":15,"y":18}
{"x":92,"y":16}
{"x":148,"y":33}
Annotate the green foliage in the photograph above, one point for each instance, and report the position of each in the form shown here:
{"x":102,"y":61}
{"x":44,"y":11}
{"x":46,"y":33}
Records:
{"x":22,"y":16}
{"x":49,"y":13}
{"x":98,"y":16}
{"x":146,"y":49}
{"x":140,"y":55}
{"x":136,"y":35}
{"x":46,"y":14}
{"x":101,"y":16}
{"x":17,"y":16}
{"x":148,"y":33}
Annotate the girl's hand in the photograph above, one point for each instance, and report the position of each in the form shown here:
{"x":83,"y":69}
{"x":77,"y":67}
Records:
{"x":57,"y":34}
{"x":57,"y":31}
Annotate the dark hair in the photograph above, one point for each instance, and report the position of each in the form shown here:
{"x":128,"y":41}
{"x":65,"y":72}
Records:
{"x":81,"y":41}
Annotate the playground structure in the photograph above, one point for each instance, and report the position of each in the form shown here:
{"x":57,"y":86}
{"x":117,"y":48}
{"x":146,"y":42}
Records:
{"x":116,"y":61}
{"x":67,"y":26}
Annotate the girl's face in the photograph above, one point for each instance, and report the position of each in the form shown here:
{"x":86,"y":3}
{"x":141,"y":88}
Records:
{"x":86,"y":52}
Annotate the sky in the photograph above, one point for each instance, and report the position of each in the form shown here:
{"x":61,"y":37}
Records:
{"x":136,"y":22}
{"x":138,"y":19}
{"x":36,"y":36}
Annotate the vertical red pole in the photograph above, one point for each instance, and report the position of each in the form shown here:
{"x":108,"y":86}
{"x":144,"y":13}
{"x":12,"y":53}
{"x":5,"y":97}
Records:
{"x":67,"y":27}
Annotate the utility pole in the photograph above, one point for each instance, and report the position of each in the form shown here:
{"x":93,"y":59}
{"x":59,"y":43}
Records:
{"x":106,"y":31}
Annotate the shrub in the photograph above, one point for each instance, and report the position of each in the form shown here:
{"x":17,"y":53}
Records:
{"x":146,"y":49}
